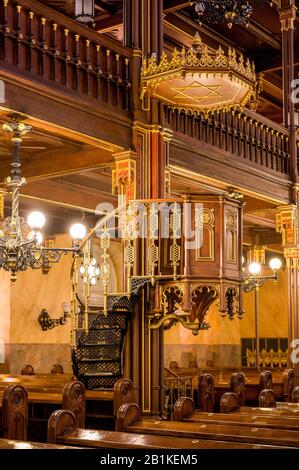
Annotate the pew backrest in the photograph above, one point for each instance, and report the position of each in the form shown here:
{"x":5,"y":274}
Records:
{"x":229,"y":402}
{"x":73,"y":399}
{"x":15,"y":412}
{"x":127,"y":415}
{"x":288,"y":380}
{"x":295,"y":395}
{"x":27,"y":370}
{"x":237,"y":386}
{"x":183,"y":408}
{"x":206,"y":390}
{"x":266,"y":380}
{"x":267,"y":399}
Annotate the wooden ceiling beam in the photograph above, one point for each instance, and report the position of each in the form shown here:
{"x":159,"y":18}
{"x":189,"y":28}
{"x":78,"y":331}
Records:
{"x":174,"y":5}
{"x":108,"y":8}
{"x":109,"y":23}
{"x":51,"y":165}
{"x":61,"y":193}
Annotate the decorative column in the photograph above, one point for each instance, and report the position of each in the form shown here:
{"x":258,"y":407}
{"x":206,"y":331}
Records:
{"x":287,"y":15}
{"x":287,"y":225}
{"x":143,"y":27}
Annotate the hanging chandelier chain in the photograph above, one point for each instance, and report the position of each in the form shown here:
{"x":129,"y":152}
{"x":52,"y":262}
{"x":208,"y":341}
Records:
{"x":21,"y":242}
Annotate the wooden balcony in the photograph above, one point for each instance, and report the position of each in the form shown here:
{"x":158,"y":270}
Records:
{"x":40,"y":44}
{"x":246,"y":136}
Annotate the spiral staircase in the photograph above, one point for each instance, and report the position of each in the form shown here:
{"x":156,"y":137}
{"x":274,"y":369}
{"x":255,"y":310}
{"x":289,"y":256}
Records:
{"x":97,"y":359}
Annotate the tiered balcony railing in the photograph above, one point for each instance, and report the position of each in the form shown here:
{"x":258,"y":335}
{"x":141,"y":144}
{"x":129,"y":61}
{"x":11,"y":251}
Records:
{"x":246,"y":135}
{"x":44,"y":44}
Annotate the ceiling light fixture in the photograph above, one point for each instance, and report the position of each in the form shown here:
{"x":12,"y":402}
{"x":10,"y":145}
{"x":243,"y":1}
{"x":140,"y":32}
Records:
{"x":20,"y":241}
{"x":225,"y":11}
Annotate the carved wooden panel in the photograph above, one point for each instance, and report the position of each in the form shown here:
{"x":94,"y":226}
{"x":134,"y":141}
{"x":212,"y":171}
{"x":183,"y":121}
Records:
{"x":74,"y":400}
{"x":15,"y":412}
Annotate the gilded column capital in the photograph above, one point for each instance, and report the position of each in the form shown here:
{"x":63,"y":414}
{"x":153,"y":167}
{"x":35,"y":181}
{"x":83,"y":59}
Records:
{"x":287,"y":15}
{"x":287,"y":225}
{"x":124,"y":174}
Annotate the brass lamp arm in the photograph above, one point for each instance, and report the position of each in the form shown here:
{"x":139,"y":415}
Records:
{"x":193,"y":326}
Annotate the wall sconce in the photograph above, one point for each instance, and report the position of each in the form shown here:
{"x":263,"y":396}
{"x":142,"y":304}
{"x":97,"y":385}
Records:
{"x":48,"y":323}
{"x":84,"y":11}
{"x":255,"y":280}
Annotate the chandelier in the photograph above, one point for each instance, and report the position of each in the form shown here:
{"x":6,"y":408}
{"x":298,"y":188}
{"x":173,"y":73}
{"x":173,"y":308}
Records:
{"x":224,"y":11}
{"x":21,"y":242}
{"x":199,"y":80}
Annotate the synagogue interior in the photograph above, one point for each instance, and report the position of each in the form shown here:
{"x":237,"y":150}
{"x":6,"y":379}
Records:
{"x":149,"y":232}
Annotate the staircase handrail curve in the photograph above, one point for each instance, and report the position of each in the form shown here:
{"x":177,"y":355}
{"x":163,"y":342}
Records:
{"x":174,"y":375}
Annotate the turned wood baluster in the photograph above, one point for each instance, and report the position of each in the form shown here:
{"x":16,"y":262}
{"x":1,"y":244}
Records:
{"x":31,"y":42}
{"x":110,"y":78}
{"x":5,"y":30}
{"x":234,"y":133}
{"x":271,"y":149}
{"x":77,"y":63}
{"x":118,"y":79}
{"x":250,"y":139}
{"x":80,"y":66}
{"x":18,"y":9}
{"x":286,"y":152}
{"x":35,"y":45}
{"x":89,"y":69}
{"x":67,"y":67}
{"x":43,"y":47}
{"x":127,"y":83}
{"x":55,"y":75}
{"x":99,"y":72}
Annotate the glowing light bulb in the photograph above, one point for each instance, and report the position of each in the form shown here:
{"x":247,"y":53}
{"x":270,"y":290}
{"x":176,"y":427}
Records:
{"x":78,"y":231}
{"x":254,"y":268}
{"x":82,"y":270}
{"x":36,"y":220}
{"x":37,"y":235}
{"x":275,"y":264}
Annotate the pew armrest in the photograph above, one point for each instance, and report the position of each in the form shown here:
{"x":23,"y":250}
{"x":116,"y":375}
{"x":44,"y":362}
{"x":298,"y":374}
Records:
{"x":58,"y":423}
{"x":183,"y":408}
{"x":127,"y":415}
{"x":229,"y":402}
{"x":123,"y":393}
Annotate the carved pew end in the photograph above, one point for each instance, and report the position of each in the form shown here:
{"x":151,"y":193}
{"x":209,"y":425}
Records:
{"x":229,"y":402}
{"x":206,"y":390}
{"x":15,"y":412}
{"x":237,"y":385}
{"x":267,"y":399}
{"x":183,"y":408}
{"x":295,"y":395}
{"x":127,"y":415}
{"x":123,"y":393}
{"x":59,"y":422}
{"x":73,"y":399}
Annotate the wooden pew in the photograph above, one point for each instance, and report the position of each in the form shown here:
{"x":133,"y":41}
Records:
{"x":72,"y":398}
{"x":230,"y":403}
{"x":184,"y":410}
{"x":129,"y":419}
{"x":21,"y":444}
{"x":45,"y":395}
{"x":14,"y":412}
{"x":62,"y":429}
